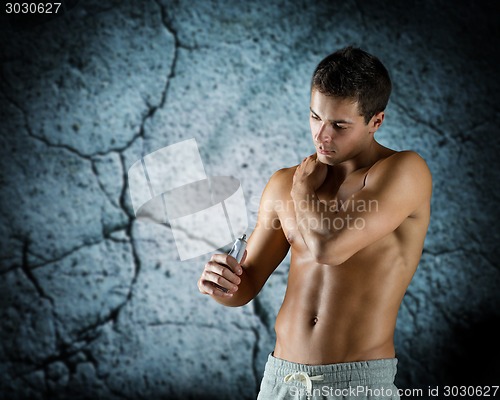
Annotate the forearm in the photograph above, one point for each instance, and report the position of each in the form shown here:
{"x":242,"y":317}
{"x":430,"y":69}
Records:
{"x":245,"y":293}
{"x":314,"y":220}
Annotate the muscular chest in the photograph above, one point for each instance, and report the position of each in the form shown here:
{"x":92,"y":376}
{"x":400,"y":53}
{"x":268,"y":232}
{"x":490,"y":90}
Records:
{"x":332,"y":195}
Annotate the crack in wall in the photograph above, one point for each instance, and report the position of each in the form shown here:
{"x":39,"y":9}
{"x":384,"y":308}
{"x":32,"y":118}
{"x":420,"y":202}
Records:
{"x":445,"y":137}
{"x":153,"y":109}
{"x":189,"y":235}
{"x":28,"y":269}
{"x":65,"y":350}
{"x":29,"y":274}
{"x":479,"y":253}
{"x":199,"y":325}
{"x":66,"y":147}
{"x":254,"y":330}
{"x":47,"y":261}
{"x":39,"y":138}
{"x":101,"y":186}
{"x":167,"y":23}
{"x":137,"y":270}
{"x":114,"y":314}
{"x":90,"y":332}
{"x":93,"y":168}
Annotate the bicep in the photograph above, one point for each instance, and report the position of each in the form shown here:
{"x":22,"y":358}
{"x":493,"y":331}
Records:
{"x":267,"y":245}
{"x":381,"y":207}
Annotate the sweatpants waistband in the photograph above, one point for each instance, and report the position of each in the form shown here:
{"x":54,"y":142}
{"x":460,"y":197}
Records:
{"x":370,"y":372}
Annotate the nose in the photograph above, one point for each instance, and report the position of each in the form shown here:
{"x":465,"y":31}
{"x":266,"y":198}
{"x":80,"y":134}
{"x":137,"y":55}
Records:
{"x":324,"y":133}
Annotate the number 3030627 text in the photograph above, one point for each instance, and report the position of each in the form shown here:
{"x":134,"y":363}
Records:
{"x":32,"y":8}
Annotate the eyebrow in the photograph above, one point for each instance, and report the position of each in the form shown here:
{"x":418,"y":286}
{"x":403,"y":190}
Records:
{"x":334,"y":121}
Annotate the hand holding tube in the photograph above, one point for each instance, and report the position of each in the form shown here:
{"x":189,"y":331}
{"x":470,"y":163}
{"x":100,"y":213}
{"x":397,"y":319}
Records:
{"x":220,"y":276}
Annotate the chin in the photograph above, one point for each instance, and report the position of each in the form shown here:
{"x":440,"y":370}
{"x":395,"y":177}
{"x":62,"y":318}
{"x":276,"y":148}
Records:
{"x":329,"y":160}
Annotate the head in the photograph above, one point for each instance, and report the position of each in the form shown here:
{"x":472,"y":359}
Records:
{"x":349,"y":92}
{"x":354,"y":74}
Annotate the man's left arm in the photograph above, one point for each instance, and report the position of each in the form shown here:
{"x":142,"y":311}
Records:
{"x":399,"y":186}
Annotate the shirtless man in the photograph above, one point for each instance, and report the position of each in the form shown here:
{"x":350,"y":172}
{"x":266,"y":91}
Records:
{"x":355,"y":215}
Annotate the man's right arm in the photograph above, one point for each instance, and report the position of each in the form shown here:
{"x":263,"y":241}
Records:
{"x":266,"y":248}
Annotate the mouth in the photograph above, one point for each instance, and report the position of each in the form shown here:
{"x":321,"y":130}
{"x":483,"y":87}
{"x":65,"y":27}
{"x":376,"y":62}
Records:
{"x":325,"y":152}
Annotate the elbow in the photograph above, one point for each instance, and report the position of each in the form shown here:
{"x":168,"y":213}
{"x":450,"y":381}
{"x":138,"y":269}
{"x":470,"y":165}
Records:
{"x":327,"y":252}
{"x":240,"y":302}
{"x":245,"y":293}
{"x":328,"y":259}
{"x":234,"y":305}
{"x":232,"y":302}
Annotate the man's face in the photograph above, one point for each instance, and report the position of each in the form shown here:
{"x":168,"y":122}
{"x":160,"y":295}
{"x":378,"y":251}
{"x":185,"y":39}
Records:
{"x":338,"y":131}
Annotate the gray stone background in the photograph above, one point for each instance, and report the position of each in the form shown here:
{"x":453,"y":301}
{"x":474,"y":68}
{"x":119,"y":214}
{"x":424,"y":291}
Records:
{"x":95,"y":304}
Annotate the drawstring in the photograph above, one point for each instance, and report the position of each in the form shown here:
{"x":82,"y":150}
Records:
{"x":305,"y":379}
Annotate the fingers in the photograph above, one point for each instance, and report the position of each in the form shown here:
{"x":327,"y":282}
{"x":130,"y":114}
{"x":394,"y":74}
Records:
{"x":312,"y":157}
{"x":222,"y":276}
{"x":218,"y":279}
{"x":229,"y":261}
{"x":206,"y":287}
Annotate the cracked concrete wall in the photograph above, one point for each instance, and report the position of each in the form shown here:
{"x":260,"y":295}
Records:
{"x":95,"y":304}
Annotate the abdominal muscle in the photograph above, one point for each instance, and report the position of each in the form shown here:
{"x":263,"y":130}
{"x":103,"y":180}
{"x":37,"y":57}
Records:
{"x":344,"y":313}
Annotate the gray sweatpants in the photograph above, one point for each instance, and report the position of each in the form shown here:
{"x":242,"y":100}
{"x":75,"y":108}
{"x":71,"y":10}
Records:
{"x":373,"y":379}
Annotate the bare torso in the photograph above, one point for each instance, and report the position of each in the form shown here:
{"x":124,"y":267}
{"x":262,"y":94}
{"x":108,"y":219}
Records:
{"x":345,"y":312}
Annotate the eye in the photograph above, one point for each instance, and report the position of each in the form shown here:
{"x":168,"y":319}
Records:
{"x":338,"y":126}
{"x":314,"y":116}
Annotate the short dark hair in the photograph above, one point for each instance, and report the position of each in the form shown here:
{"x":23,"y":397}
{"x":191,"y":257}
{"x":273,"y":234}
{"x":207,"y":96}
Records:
{"x":353,"y":73}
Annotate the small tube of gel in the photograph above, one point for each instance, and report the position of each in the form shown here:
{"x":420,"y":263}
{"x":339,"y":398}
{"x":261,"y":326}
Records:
{"x":238,"y":248}
{"x":237,"y":252}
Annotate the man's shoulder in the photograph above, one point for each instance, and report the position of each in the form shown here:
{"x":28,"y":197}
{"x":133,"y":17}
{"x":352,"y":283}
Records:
{"x":408,"y":161}
{"x":402,"y":167}
{"x":280,"y":183}
{"x":283,"y":175}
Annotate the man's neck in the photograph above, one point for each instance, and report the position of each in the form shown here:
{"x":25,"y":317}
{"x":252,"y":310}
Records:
{"x":364,"y":159}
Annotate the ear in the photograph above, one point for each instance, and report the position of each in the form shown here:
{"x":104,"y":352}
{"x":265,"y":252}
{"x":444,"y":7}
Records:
{"x":376,"y":121}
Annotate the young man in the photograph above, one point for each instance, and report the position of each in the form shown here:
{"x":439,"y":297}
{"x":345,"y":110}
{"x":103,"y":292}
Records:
{"x":355,"y":215}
